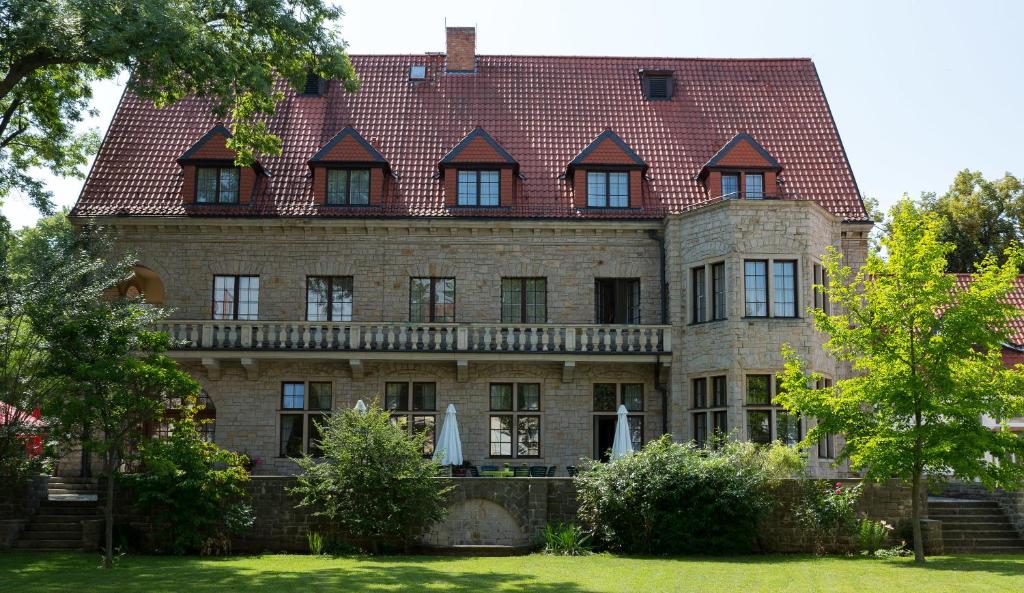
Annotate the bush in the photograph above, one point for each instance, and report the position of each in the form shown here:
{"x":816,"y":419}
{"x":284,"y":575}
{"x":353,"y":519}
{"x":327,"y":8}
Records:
{"x":193,"y":491}
{"x":672,"y":498}
{"x":566,"y":540}
{"x":826,"y":508}
{"x":871,"y":535}
{"x":373,"y":483}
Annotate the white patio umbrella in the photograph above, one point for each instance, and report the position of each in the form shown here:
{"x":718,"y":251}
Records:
{"x":449,"y":447}
{"x":623,"y":444}
{"x":361,"y":407}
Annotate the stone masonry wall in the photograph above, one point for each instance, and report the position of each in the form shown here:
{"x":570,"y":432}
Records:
{"x":18,"y":502}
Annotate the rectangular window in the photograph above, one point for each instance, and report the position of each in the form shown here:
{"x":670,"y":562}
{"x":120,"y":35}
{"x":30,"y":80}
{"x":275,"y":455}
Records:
{"x":528,"y":436}
{"x":501,"y":397}
{"x":396,"y":397}
{"x":827,"y":446}
{"x":304,"y":409}
{"x":424,"y":397}
{"x":408,"y":402}
{"x":524,"y":300}
{"x":755,"y":287}
{"x":633,"y":396}
{"x":700,"y":393}
{"x":348,"y":187}
{"x":617,"y":300}
{"x":636,"y":431}
{"x":700,"y":428}
{"x":759,"y":426}
{"x":501,"y":435}
{"x":329,"y":298}
{"x":216,"y":185}
{"x":759,"y":390}
{"x":719,"y":393}
{"x":607,"y":189}
{"x":784,"y":281}
{"x":730,"y":186}
{"x":767,"y":421}
{"x":236,"y":297}
{"x":291,"y":435}
{"x":699,"y":300}
{"x":293,"y":396}
{"x":605,"y":399}
{"x":320,"y":395}
{"x":529,"y":396}
{"x":754,"y":189}
{"x":513,"y":426}
{"x":787,"y":427}
{"x":432,"y":300}
{"x":479,"y":188}
{"x":720,"y":419}
{"x":718,"y":291}
{"x":821,"y":300}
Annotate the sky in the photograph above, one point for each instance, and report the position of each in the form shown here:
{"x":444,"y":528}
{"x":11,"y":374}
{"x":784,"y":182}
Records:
{"x":919,"y":90}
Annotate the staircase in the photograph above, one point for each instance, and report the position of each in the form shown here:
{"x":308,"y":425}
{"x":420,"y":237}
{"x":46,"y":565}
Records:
{"x":57,"y":524}
{"x":974,"y":526}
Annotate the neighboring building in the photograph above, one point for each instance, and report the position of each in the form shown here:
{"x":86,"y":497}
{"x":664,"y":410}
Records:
{"x":534,"y":239}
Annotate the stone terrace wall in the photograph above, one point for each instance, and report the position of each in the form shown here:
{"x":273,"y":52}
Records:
{"x":18,"y":502}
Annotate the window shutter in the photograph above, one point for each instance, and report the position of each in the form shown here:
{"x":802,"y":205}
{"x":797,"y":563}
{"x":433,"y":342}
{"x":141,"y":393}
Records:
{"x":658,"y":86}
{"x":313,"y":85}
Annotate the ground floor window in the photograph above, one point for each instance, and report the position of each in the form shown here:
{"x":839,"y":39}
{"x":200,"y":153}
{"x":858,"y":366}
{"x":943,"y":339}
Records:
{"x":767,"y":421}
{"x":606,"y":399}
{"x":304,"y":407}
{"x":827,"y":442}
{"x":514,"y":423}
{"x":413,"y":406}
{"x":206,"y":418}
{"x":710,"y":415}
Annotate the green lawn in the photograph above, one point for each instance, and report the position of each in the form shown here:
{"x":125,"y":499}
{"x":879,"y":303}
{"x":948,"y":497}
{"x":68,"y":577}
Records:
{"x":78,"y":573}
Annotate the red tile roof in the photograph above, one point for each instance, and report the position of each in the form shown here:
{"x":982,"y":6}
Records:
{"x":1015,"y":298}
{"x":542,"y":110}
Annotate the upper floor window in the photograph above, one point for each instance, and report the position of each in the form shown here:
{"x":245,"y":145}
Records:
{"x":699,"y":301}
{"x":754,"y":186}
{"x":755,"y":288}
{"x":767,"y":421}
{"x":821,"y":299}
{"x":216,"y":185}
{"x":303,"y":410}
{"x":479,"y":188}
{"x":784,"y":279}
{"x":348,"y":187}
{"x":783,"y":288}
{"x":432,"y":300}
{"x":329,"y":298}
{"x":236,"y":297}
{"x":524,"y":300}
{"x":709,"y":407}
{"x":617,"y":300}
{"x":730,"y":185}
{"x":718,"y":291}
{"x":607,"y":189}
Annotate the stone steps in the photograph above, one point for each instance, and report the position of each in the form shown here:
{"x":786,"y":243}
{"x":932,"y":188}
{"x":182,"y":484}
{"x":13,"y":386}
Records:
{"x":57,"y":525}
{"x":974,"y":526}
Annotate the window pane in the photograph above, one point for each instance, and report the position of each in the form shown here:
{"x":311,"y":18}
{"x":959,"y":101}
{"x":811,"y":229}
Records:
{"x":700,"y":428}
{"x":341,"y":298}
{"x":755,"y":185}
{"x":444,"y":300}
{"x":633,"y":397}
{"x":419,"y":300}
{"x":320,"y":395}
{"x":721,"y":422}
{"x":206,"y":185}
{"x":511,"y":300}
{"x":755,"y":283}
{"x":618,"y":190}
{"x":248,"y":297}
{"x":501,"y":436}
{"x":337,"y":182}
{"x":636,"y":431}
{"x":424,"y":396}
{"x":699,"y":295}
{"x":293,"y":396}
{"x":759,"y":428}
{"x":759,"y":389}
{"x":787,"y":427}
{"x":719,"y":389}
{"x":229,"y":185}
{"x":785,"y":288}
{"x":529,"y":397}
{"x":314,"y":423}
{"x":730,"y":185}
{"x":536,"y":300}
{"x":400,"y":420}
{"x":604,"y":397}
{"x":700,"y":393}
{"x":597,"y":190}
{"x":718,"y":291}
{"x":223,"y":297}
{"x":291,"y":435}
{"x":489,"y":188}
{"x":827,"y":446}
{"x":316,"y":299}
{"x":467,"y":188}
{"x":528,"y":436}
{"x":396,"y":396}
{"x":359,"y":187}
{"x":501,"y":396}
{"x":426,"y":424}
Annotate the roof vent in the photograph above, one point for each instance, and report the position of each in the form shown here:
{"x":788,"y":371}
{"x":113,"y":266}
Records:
{"x":657,"y":84}
{"x":314,"y":86}
{"x":417,"y":72}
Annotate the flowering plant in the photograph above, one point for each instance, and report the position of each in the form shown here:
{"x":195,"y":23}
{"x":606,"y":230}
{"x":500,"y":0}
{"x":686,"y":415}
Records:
{"x":825,"y":508}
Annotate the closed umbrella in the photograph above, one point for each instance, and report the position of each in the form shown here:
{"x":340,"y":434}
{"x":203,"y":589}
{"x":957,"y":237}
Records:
{"x":361,"y":407}
{"x":623,"y":444}
{"x":449,"y":446}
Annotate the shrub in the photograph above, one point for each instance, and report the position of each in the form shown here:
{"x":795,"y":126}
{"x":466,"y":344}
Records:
{"x":871,"y":535}
{"x":566,"y":540}
{"x":672,"y":498}
{"x":193,"y":491}
{"x":373,"y":483}
{"x":825,"y":508}
{"x":316,"y":543}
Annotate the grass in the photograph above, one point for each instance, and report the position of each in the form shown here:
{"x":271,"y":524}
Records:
{"x":79,"y":573}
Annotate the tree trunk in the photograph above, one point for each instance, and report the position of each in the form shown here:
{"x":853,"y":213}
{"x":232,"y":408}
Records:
{"x":915,"y":517}
{"x":108,"y":513}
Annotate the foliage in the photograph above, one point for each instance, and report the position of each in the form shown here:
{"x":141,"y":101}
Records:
{"x":982,"y":218}
{"x":826,"y":508}
{"x":926,"y":360}
{"x":871,"y":535}
{"x":232,"y":53}
{"x":566,"y":540}
{"x":672,"y":498}
{"x":194,"y":491}
{"x":373,"y":483}
{"x":316,"y":543}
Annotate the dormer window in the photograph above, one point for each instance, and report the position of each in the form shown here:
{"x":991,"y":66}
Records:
{"x":479,"y":188}
{"x":607,"y":189}
{"x":742,"y":168}
{"x":753,"y":186}
{"x":348,"y":187}
{"x":417,"y":72}
{"x":657,"y":85}
{"x":216,"y":185}
{"x":730,"y":185}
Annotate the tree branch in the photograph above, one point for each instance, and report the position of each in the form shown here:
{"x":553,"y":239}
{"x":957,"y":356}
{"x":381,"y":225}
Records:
{"x":14,"y":134}
{"x":25,"y":66}
{"x":9,"y":113}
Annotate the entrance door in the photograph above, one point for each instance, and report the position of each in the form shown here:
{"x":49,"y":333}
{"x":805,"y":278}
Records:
{"x":604,"y":436}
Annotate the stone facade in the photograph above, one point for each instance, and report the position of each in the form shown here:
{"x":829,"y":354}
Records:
{"x":18,"y":502}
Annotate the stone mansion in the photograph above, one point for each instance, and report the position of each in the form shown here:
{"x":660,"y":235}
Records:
{"x":536,"y":240}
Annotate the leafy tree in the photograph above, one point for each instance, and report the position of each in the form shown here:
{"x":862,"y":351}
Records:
{"x":232,"y":52}
{"x":927,"y":364}
{"x":980,"y":217}
{"x":193,"y":490}
{"x":113,"y":378}
{"x":373,"y":483}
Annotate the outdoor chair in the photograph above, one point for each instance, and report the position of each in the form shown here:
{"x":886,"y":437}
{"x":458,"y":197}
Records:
{"x":571,"y":469}
{"x":522,"y":471}
{"x":551,"y":470}
{"x":538,"y":471}
{"x":473,"y":471}
{"x":488,"y":468}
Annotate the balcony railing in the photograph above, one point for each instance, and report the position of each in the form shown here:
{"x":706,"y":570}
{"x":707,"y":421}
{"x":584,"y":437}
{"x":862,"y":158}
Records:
{"x":412,"y":337}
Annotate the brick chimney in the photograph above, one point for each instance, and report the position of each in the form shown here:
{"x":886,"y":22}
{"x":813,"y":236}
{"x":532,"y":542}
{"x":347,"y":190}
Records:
{"x":461,"y":49}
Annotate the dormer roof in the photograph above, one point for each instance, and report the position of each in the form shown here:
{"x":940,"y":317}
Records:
{"x":212,"y":146}
{"x":348,"y":146}
{"x":607,"y":149}
{"x":478,"y":147}
{"x":742,"y":152}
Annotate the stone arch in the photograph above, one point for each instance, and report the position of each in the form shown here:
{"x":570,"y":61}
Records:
{"x":145,"y":282}
{"x":477,"y":522}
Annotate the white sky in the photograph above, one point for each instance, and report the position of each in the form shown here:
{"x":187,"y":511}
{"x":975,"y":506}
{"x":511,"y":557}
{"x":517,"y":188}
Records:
{"x":919,"y":89}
